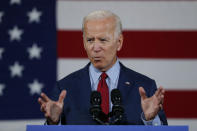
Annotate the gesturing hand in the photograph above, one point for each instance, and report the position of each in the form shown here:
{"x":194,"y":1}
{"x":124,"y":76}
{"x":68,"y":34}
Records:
{"x":152,"y":105}
{"x":52,"y":109}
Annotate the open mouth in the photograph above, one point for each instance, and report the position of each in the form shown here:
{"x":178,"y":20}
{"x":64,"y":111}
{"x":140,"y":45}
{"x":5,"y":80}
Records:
{"x":97,"y":58}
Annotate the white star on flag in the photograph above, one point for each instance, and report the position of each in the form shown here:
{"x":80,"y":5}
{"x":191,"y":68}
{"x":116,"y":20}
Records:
{"x":34,"y":15}
{"x":15,"y":33}
{"x":16,"y":69}
{"x":18,"y":2}
{"x":1,"y":15}
{"x":24,"y":25}
{"x":35,"y":87}
{"x":1,"y":89}
{"x":34,"y":51}
{"x":1,"y":52}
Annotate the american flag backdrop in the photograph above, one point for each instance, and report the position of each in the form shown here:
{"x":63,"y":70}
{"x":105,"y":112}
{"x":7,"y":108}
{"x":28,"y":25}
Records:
{"x":27,"y":56}
{"x":160,"y":41}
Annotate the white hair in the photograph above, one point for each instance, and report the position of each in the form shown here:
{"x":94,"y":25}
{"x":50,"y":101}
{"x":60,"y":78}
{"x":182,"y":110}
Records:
{"x":101,"y":14}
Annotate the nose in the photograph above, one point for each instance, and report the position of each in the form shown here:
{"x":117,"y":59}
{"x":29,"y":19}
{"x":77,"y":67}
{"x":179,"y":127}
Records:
{"x":96,"y":47}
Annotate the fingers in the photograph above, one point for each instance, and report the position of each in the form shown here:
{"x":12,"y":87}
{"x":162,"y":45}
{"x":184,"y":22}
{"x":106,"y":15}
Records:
{"x":43,"y":108}
{"x":45,"y":97}
{"x":40,"y":101}
{"x":159,"y":91}
{"x":160,"y":94}
{"x":62,"y":96}
{"x":160,"y":97}
{"x":160,"y":107}
{"x":142,"y":93}
{"x":43,"y":101}
{"x":47,"y":115}
{"x":42,"y":105}
{"x":162,"y":100}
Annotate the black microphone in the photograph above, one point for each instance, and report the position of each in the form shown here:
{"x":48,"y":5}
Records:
{"x":95,"y":109}
{"x":117,"y":109}
{"x":95,"y":101}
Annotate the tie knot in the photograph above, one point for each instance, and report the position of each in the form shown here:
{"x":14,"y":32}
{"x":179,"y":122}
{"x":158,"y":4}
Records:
{"x":104,"y":75}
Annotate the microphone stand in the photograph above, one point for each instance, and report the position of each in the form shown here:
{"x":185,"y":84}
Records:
{"x":99,"y":121}
{"x":117,"y":109}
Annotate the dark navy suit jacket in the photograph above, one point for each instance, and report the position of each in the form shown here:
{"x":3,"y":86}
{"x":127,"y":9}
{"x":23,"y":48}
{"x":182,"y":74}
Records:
{"x":77,"y":101}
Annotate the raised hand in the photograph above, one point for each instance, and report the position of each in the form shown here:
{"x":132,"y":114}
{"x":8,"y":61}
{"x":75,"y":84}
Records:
{"x":152,"y":105}
{"x":52,"y":109}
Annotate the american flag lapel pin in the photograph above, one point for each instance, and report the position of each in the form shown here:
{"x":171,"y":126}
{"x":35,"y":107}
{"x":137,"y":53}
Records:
{"x":127,"y":83}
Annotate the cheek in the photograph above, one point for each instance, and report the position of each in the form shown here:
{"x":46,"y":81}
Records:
{"x":110,"y":52}
{"x":88,"y":50}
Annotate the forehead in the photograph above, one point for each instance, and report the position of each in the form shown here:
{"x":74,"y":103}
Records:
{"x":96,"y":26}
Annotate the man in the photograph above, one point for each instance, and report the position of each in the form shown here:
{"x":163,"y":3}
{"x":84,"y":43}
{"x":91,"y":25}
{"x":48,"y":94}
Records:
{"x":70,"y":103}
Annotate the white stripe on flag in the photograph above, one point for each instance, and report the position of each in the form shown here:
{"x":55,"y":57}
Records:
{"x":172,"y":74}
{"x":140,"y":15}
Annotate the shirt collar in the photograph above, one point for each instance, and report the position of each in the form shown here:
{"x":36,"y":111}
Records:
{"x":112,"y":73}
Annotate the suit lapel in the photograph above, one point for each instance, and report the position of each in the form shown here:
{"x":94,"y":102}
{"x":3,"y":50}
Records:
{"x":84,"y":88}
{"x":125,"y":83}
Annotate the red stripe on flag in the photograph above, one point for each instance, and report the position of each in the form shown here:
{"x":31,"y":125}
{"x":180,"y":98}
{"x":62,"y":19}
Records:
{"x":137,"y":44}
{"x":70,"y":44}
{"x":180,"y":104}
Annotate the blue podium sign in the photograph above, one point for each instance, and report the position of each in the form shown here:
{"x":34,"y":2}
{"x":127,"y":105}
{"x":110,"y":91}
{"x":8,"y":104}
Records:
{"x":104,"y":128}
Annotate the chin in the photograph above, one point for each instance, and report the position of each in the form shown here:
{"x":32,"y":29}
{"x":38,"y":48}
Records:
{"x":98,"y":65}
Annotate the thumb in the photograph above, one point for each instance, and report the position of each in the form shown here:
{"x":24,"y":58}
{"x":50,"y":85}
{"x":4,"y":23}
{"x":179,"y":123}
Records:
{"x":142,"y":93}
{"x":62,"y":96}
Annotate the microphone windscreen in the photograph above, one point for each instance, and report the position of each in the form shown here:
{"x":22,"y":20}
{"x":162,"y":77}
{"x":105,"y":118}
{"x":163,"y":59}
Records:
{"x":116,"y":97}
{"x":95,"y":98}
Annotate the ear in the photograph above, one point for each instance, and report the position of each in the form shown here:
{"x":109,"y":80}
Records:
{"x":84,"y":45}
{"x":84,"y":42}
{"x":120,"y":42}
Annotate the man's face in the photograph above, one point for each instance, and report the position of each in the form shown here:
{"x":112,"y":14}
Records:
{"x":100,"y":44}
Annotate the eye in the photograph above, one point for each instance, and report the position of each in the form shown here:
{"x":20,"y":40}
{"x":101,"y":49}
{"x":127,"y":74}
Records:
{"x":103,"y":39}
{"x":90,"y":40}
